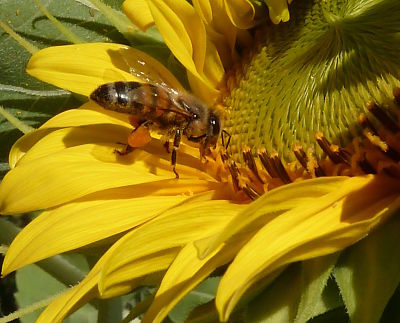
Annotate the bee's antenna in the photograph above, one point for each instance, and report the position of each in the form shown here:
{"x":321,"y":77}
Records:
{"x":222,"y":138}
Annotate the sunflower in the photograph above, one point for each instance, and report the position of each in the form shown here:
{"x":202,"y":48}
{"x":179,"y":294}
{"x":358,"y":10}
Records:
{"x":311,"y":106}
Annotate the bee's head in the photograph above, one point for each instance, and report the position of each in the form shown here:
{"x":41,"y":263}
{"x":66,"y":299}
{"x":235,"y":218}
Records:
{"x":204,"y":127}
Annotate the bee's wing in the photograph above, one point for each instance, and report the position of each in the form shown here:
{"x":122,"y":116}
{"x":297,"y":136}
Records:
{"x":155,"y":96}
{"x":146,"y":68}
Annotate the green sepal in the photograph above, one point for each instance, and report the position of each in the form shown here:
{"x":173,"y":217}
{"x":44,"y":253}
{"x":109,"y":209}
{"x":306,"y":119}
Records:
{"x":369,"y":272}
{"x":316,"y":298}
{"x":279,"y":301}
{"x":202,"y":294}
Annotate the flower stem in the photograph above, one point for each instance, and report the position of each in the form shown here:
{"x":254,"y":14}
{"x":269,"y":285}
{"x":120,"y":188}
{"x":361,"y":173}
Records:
{"x":28,"y":309}
{"x":62,"y":270}
{"x":61,"y":28}
{"x":23,"y":42}
{"x":23,"y":127}
{"x":110,"y":310}
{"x":8,"y":231}
{"x":116,"y":18}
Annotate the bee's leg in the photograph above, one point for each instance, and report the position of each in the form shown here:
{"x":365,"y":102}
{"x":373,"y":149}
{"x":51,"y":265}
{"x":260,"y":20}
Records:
{"x":166,"y":146}
{"x":177,"y":140}
{"x":124,"y":151}
{"x":203,"y":149}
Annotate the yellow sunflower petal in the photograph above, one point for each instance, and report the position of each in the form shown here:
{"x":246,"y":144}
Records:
{"x":187,"y":271}
{"x":182,"y":30}
{"x":69,"y":301}
{"x":270,"y":206}
{"x":213,"y":68}
{"x":206,"y":86}
{"x":330,"y":223}
{"x":73,"y":173}
{"x":203,"y":8}
{"x":220,"y":30}
{"x":83,"y":293}
{"x":223,"y":24}
{"x":61,"y":139}
{"x":72,"y":225}
{"x":278,"y":10}
{"x":82,"y":68}
{"x":240,"y":12}
{"x":124,"y":280}
{"x":172,"y":230}
{"x":202,"y":89}
{"x":87,"y":114}
{"x":139,"y":13}
{"x":23,"y":144}
{"x":184,"y":274}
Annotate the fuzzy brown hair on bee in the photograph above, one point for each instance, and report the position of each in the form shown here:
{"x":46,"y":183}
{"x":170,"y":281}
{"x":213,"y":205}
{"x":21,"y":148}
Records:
{"x":166,"y":110}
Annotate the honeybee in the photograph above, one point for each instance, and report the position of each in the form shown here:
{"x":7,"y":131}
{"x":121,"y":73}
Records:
{"x":158,"y":107}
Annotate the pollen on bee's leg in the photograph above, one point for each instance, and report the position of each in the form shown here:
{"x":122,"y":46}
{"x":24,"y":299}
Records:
{"x":139,"y":137}
{"x":335,"y":153}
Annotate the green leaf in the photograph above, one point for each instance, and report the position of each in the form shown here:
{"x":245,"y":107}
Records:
{"x":205,"y":313}
{"x":368,"y":273}
{"x":202,"y":294}
{"x":315,"y":274}
{"x":35,"y":285}
{"x":279,"y":301}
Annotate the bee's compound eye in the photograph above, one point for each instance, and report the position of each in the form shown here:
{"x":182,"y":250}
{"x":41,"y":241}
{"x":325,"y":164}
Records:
{"x":214,"y":123}
{"x":195,"y":116}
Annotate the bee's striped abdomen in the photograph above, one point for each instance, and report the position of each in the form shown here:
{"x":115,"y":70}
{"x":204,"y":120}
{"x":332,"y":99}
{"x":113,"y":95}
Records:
{"x":126,"y":97}
{"x":119,"y":92}
{"x":149,"y":102}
